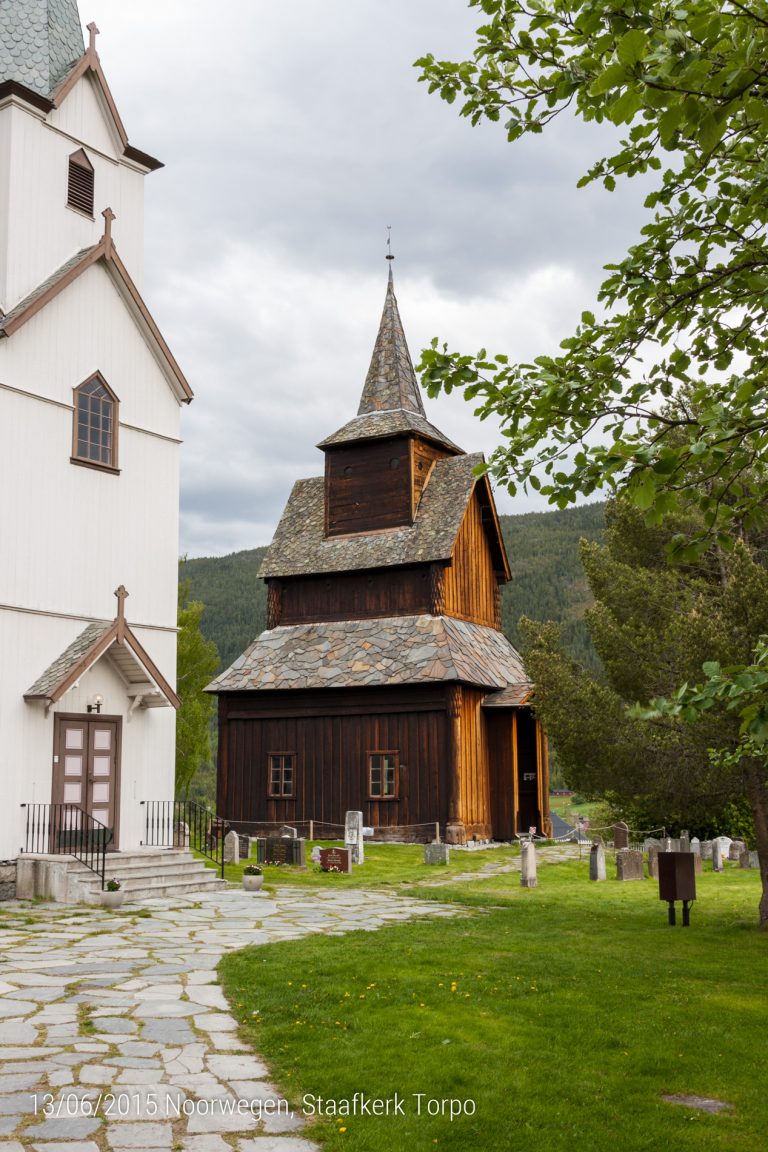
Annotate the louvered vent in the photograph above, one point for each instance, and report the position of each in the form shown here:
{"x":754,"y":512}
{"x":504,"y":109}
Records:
{"x":80,"y":187}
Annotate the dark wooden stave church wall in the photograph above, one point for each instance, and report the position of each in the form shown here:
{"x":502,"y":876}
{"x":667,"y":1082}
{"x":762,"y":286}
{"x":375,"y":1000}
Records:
{"x":368,"y":486}
{"x":356,"y":595}
{"x":475,"y":789}
{"x":332,"y":734}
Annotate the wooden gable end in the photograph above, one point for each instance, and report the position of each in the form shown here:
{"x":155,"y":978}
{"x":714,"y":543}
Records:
{"x":368,"y":486}
{"x":478,"y":568}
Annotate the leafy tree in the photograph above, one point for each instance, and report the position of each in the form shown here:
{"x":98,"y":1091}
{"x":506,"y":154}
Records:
{"x":687,"y":306}
{"x":197,"y":662}
{"x":652,"y":625}
{"x":740,"y":692}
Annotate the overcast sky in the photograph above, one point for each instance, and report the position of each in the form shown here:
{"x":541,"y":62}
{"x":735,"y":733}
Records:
{"x":293,"y":134}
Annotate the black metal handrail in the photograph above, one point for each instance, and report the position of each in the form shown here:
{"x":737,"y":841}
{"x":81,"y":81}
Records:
{"x":185,"y":824}
{"x":67,"y":830}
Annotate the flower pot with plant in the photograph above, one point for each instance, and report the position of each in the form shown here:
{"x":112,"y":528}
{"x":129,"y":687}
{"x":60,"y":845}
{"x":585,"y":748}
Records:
{"x":253,"y":878}
{"x":112,"y":894}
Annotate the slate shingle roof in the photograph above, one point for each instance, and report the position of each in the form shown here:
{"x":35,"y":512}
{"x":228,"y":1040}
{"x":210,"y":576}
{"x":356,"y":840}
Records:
{"x":40,"y":42}
{"x":300,"y":547}
{"x":46,"y":284}
{"x":391,"y":400}
{"x":376,"y":425}
{"x":373,"y":653}
{"x":69,"y":658}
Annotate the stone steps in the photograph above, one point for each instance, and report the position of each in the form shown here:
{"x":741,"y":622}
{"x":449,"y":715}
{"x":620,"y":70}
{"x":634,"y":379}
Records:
{"x":144,"y":875}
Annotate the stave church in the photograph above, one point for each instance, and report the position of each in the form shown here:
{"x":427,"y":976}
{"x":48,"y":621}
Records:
{"x":383,"y":682}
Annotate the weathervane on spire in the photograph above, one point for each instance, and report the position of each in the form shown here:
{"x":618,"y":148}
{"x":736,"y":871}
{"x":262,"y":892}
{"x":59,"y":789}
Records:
{"x":389,"y":242}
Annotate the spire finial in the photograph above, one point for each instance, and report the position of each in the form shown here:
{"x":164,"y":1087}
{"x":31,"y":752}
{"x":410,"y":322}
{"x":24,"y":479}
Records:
{"x":93,"y":30}
{"x":389,"y":255}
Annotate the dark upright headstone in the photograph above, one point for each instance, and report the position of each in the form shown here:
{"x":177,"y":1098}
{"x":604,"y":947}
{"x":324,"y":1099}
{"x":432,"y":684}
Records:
{"x":629,"y":865}
{"x":336,"y":860}
{"x":620,"y":836}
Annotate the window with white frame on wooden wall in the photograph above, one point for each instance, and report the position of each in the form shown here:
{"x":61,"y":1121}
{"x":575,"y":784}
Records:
{"x":383,"y":770}
{"x":282,"y":775}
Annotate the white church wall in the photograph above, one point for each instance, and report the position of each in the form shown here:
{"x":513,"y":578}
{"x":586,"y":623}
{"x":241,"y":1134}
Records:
{"x":46,"y":232}
{"x":26,"y":753}
{"x":5,"y":193}
{"x":72,"y":534}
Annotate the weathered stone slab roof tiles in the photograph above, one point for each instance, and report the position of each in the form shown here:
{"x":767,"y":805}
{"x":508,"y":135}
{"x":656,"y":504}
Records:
{"x":373,"y":653}
{"x":300,"y":547}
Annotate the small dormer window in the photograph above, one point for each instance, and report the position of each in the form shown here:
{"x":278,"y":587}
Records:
{"x":95,"y":428}
{"x":80,"y":184}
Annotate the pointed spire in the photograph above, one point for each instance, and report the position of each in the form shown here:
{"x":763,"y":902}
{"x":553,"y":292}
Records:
{"x":391,"y":381}
{"x":42,"y":39}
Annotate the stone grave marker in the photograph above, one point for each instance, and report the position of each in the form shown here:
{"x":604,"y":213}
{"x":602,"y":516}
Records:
{"x":736,"y":849}
{"x":620,"y":835}
{"x":528,"y":864}
{"x":706,"y":849}
{"x":698,"y":866}
{"x":717,"y":855}
{"x":597,"y":862}
{"x":685,"y":841}
{"x":286,"y":832}
{"x":281,"y":850}
{"x":653,"y":861}
{"x":696,"y":846}
{"x":336,"y":859}
{"x":437,"y":854}
{"x":748,"y":859}
{"x":315,"y":854}
{"x":232,"y":848}
{"x":244,"y":846}
{"x":353,"y":836}
{"x":629,"y":864}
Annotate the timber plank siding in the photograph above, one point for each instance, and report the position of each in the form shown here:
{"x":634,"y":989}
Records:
{"x":354,"y":595}
{"x":332,"y":740}
{"x":368,"y":487}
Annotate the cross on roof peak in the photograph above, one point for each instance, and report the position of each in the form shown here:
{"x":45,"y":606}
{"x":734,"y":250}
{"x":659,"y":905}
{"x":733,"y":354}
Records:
{"x":122,"y":596}
{"x":94,"y":32}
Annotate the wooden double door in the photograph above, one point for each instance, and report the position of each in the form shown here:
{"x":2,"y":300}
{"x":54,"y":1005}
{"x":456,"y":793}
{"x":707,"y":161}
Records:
{"x":86,"y":767}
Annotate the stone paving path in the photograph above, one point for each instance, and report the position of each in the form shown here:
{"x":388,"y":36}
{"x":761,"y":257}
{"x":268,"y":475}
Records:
{"x":109,"y":1022}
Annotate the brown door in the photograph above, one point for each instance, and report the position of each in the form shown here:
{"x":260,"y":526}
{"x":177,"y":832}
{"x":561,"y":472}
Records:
{"x":86,"y":767}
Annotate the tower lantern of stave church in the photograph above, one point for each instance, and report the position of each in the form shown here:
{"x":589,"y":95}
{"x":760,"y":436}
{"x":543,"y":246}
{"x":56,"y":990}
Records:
{"x":383,"y":682}
{"x":90,"y":401}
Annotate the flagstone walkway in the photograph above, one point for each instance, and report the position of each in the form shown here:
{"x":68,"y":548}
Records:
{"x":115,"y":1037}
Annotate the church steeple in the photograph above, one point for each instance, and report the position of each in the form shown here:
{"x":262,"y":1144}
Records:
{"x":46,"y":43}
{"x":391,"y":381}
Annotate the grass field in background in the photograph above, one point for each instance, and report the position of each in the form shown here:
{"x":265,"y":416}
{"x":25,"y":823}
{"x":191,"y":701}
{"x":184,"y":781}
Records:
{"x":564,"y":1013}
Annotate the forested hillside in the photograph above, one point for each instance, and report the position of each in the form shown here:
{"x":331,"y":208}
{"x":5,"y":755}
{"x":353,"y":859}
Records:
{"x":547,"y":582}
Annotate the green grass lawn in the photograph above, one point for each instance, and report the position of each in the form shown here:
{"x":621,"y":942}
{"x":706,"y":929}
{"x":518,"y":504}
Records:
{"x":564,"y":1014}
{"x":384,"y":864}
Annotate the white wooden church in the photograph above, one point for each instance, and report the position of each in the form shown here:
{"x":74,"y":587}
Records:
{"x":90,"y":401}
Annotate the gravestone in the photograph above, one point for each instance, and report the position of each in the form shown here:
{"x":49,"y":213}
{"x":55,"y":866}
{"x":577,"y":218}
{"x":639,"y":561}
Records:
{"x":353,"y":836}
{"x":685,"y":841}
{"x":698,"y":867}
{"x":717,"y":855}
{"x":528,"y":864}
{"x":666,"y":844}
{"x":629,"y":864}
{"x":315,"y":854}
{"x":597,"y":862}
{"x":436,"y":854}
{"x":281,"y":850}
{"x":748,"y":859}
{"x":653,"y":861}
{"x":232,"y":848}
{"x":336,"y":860}
{"x":244,"y":846}
{"x":736,"y":849}
{"x":696,"y":846}
{"x":674,"y":844}
{"x":286,"y":832}
{"x":725,"y":846}
{"x":706,"y":849}
{"x":620,"y":835}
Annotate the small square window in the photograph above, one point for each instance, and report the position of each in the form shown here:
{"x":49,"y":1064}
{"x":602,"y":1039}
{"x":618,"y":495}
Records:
{"x":383,"y":775}
{"x":281,"y":775}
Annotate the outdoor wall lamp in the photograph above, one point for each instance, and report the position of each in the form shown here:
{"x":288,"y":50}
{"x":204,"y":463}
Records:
{"x":95,"y":705}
